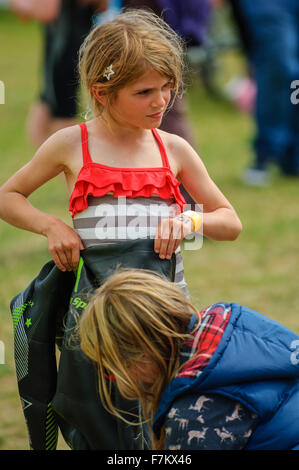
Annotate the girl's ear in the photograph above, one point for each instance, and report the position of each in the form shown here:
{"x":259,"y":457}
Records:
{"x":99,"y":94}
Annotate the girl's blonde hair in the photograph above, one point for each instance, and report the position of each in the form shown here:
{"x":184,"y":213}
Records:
{"x":134,"y":42}
{"x":135,"y":315}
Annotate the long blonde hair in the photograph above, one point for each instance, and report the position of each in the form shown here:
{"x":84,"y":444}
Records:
{"x":134,"y":42}
{"x":133,"y":315}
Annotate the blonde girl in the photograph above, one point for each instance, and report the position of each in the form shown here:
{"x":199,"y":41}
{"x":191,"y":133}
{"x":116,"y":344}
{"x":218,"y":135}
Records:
{"x":209,"y":380}
{"x":117,"y":165}
{"x":133,"y":330}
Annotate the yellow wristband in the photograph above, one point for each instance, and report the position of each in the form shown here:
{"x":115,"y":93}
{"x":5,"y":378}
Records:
{"x":196,"y":219}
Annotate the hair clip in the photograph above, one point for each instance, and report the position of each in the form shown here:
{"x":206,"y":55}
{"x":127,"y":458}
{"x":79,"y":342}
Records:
{"x":108,"y":72}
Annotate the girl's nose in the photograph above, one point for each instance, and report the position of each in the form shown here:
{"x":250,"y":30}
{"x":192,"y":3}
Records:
{"x":159,"y":100}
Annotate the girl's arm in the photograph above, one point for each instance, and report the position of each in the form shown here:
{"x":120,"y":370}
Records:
{"x":220,"y":221}
{"x":63,"y":242}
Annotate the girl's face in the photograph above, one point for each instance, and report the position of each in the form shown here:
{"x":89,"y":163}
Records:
{"x":141,"y":104}
{"x":145,"y":372}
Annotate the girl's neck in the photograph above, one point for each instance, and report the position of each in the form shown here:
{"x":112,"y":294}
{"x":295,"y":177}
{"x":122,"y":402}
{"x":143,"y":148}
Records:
{"x":117,"y":132}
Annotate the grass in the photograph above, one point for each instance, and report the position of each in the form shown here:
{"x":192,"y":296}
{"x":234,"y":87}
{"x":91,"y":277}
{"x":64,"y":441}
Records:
{"x":260,"y":269}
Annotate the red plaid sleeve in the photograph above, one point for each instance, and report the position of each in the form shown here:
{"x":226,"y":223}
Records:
{"x":205,"y":339}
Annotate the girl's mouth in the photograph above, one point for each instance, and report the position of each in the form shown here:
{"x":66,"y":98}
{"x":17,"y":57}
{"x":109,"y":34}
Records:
{"x":156,"y":115}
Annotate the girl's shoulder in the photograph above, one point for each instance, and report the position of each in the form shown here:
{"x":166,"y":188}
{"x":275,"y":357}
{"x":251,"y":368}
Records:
{"x":174,"y":142}
{"x":176,"y":146}
{"x":68,"y":138}
{"x":63,"y":144}
{"x":169,"y":139}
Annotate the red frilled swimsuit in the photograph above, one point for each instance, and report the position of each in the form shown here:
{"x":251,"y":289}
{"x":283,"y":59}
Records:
{"x":95,"y":179}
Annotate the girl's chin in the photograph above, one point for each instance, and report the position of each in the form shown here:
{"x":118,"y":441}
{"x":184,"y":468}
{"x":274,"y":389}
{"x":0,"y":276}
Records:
{"x":154,"y":124}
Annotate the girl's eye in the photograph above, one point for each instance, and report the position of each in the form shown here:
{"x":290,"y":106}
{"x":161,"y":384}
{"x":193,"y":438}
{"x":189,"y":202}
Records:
{"x":167,"y":86}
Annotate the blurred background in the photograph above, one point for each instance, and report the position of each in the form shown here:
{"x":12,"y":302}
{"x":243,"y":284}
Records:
{"x":222,"y":116}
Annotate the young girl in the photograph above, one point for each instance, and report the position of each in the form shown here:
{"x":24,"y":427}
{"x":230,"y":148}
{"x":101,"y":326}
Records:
{"x":226,"y":378}
{"x":122,"y":174}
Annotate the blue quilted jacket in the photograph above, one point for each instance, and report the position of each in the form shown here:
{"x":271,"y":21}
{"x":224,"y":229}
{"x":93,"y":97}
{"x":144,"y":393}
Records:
{"x":257,"y":364}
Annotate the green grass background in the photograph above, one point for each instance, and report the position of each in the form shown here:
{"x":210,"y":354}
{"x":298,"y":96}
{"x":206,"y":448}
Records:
{"x":260,"y":269}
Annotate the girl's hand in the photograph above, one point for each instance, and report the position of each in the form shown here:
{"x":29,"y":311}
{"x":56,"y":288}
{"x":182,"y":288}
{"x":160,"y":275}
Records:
{"x":170,"y":233}
{"x":64,"y":245}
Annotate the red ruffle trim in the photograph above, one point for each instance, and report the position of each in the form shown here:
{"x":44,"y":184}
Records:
{"x":98,"y":181}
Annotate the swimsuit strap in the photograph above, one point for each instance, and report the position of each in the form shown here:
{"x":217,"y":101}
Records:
{"x":84,"y":140}
{"x":161,"y":148}
{"x":87,"y":158}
